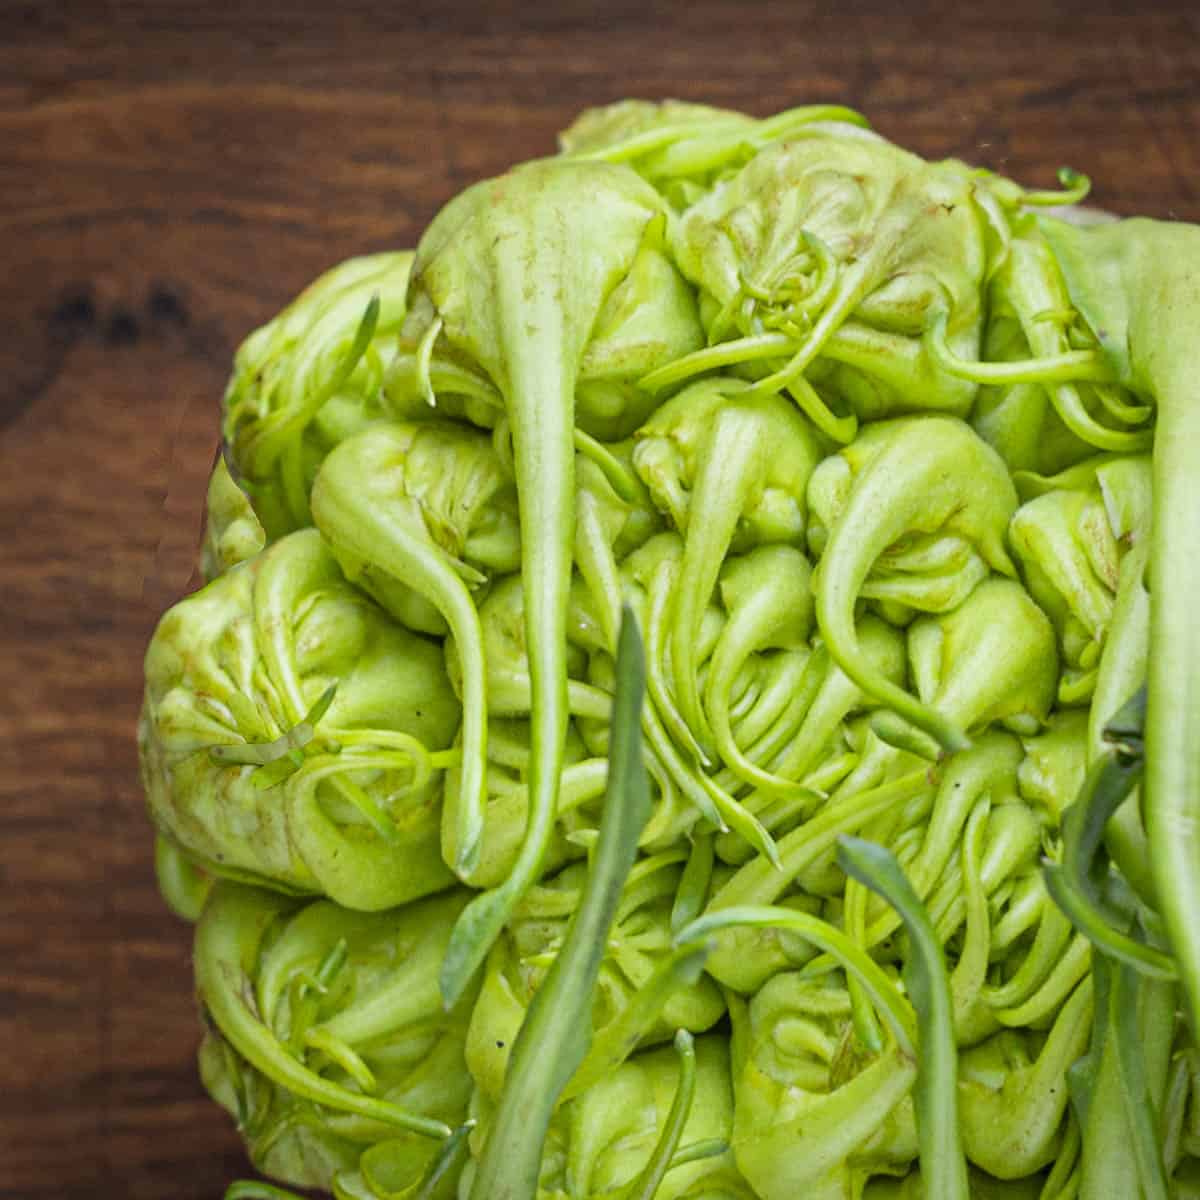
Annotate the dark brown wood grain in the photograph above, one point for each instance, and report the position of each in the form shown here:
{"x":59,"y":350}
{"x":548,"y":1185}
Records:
{"x":171,"y":174}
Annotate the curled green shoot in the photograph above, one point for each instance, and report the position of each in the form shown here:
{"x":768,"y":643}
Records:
{"x":1075,"y":189}
{"x":1071,"y":366}
{"x":768,"y":599}
{"x":518,"y":269}
{"x":412,"y":501}
{"x":722,"y":465}
{"x":663,"y":1157}
{"x":228,"y":938}
{"x":925,"y":475}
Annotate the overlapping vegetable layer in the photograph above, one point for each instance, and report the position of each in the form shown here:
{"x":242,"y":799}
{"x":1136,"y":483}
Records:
{"x":896,"y":477}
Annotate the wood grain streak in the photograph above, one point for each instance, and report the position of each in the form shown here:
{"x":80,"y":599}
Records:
{"x":172,"y":174}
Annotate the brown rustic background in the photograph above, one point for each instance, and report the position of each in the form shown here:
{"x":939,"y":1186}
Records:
{"x":171,"y":174}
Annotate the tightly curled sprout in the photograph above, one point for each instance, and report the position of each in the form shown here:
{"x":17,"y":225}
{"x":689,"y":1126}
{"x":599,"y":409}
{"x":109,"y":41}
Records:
{"x":309,"y":378}
{"x":912,"y":476}
{"x":765,"y":595}
{"x":730,"y":471}
{"x":238,"y":772}
{"x":328,"y":1042}
{"x":405,"y":506}
{"x":1071,"y":535}
{"x":816,"y":747}
{"x":920,"y":572}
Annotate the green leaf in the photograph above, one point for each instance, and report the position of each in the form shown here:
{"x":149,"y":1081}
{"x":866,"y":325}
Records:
{"x":554,"y":1037}
{"x":1135,"y":284}
{"x":1131,"y":1066}
{"x":943,"y":1165}
{"x":517,"y":269}
{"x":1077,"y":884}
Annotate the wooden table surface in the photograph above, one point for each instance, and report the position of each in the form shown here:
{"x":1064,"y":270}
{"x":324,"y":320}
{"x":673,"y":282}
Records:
{"x":172,"y":174}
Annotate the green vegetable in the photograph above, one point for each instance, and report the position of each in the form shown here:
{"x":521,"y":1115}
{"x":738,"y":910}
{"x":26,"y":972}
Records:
{"x":893,"y":829}
{"x":328,"y":1039}
{"x":427,"y":506}
{"x":308,"y":378}
{"x":911,"y":476}
{"x":232,"y":531}
{"x":242,"y":775}
{"x":511,"y":277}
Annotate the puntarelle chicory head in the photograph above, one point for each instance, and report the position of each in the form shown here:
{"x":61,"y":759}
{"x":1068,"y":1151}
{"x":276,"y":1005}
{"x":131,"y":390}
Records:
{"x":894,"y":476}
